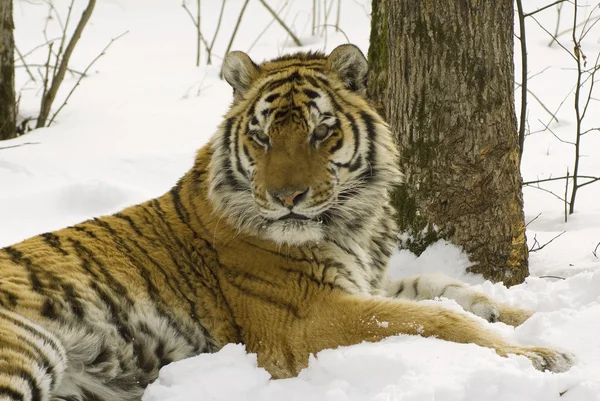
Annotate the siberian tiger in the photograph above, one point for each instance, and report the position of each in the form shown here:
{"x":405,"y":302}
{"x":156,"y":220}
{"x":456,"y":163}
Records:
{"x":278,"y":238}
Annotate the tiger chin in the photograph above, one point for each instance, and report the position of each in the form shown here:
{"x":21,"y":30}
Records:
{"x":278,"y":237}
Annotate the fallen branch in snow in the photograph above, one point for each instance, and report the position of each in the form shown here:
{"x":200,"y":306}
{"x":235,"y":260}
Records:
{"x":102,"y":53}
{"x":19,"y":145}
{"x":536,"y":245}
{"x":595,"y":251}
{"x":549,"y":276}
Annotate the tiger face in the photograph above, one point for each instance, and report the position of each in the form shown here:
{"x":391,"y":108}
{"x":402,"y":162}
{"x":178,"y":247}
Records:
{"x":301,"y":153}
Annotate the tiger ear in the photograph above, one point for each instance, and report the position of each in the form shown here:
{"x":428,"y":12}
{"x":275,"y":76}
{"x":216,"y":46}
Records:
{"x":239,"y":71}
{"x":351,"y":66}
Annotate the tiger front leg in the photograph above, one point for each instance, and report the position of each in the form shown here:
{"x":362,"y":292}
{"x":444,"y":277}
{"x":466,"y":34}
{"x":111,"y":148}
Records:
{"x":342,"y":319}
{"x":430,"y":286}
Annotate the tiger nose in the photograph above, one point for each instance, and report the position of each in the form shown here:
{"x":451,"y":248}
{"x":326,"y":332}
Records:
{"x":290,"y":197}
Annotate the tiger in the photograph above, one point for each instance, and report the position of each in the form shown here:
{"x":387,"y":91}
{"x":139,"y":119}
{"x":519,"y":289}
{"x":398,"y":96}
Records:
{"x":277,"y":238}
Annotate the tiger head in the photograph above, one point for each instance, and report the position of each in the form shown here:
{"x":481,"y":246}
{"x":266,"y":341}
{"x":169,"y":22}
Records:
{"x":301,"y":154}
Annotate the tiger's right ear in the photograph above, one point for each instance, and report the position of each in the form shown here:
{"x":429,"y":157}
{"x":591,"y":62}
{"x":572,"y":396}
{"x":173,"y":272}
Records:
{"x":239,"y":71}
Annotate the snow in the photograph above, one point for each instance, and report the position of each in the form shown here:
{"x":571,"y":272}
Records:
{"x":131,"y":130}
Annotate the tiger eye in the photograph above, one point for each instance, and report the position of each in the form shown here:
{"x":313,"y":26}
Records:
{"x":321,"y":132}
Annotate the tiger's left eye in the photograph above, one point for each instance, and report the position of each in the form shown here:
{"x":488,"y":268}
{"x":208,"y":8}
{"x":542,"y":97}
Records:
{"x":321,"y":132}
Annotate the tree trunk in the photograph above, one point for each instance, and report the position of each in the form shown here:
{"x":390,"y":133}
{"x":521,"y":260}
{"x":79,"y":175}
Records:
{"x":7,"y":72}
{"x":449,"y":99}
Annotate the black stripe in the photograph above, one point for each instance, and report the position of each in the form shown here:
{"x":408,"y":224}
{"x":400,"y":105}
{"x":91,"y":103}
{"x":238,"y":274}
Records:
{"x":338,"y":145}
{"x":16,"y":257}
{"x":416,"y":286}
{"x":370,"y":127}
{"x":72,"y":298}
{"x":117,"y":313}
{"x":33,"y":330}
{"x":54,"y":242}
{"x":129,"y":220}
{"x":179,"y":208}
{"x":279,"y":303}
{"x":85,"y":231}
{"x":37,"y":353}
{"x":271,"y":97}
{"x":11,"y":393}
{"x":400,"y":289}
{"x":9,"y":297}
{"x":353,"y":166}
{"x":36,"y":391}
{"x":311,"y":93}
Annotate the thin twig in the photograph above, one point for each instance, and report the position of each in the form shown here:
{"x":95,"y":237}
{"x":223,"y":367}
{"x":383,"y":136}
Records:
{"x":523,"y":45}
{"x":532,"y":220}
{"x":578,"y":118}
{"x":237,"y":25}
{"x":546,"y":190}
{"x":338,"y":29}
{"x":199,"y":35}
{"x":543,"y":8}
{"x":84,"y":74}
{"x":62,"y":40}
{"x":540,"y":247}
{"x":46,"y":75}
{"x":35,"y":48}
{"x":25,"y":64}
{"x":72,"y":71}
{"x":558,"y":15}
{"x":566,"y":193}
{"x":595,"y":251}
{"x":266,"y":28}
{"x":550,"y":276}
{"x":283,"y":25}
{"x":559,"y":178}
{"x":212,"y":42}
{"x":555,"y":37}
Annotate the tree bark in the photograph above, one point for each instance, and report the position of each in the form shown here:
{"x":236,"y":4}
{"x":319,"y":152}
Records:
{"x":8,"y":125}
{"x":449,"y":99}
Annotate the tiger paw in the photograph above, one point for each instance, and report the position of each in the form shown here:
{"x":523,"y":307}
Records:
{"x":485,"y":308}
{"x":546,"y":359}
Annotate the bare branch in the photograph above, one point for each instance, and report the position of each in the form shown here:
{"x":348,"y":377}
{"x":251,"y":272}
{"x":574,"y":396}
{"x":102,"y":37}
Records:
{"x":555,"y":37}
{"x":84,"y":74}
{"x":532,"y":220}
{"x":595,"y":251}
{"x":559,"y":179}
{"x":237,"y":25}
{"x":540,"y":247}
{"x":523,"y":45}
{"x":62,"y":40}
{"x":543,"y":8}
{"x":212,"y":42}
{"x":25,"y":64}
{"x":49,"y":97}
{"x":283,"y":25}
{"x":22,"y":57}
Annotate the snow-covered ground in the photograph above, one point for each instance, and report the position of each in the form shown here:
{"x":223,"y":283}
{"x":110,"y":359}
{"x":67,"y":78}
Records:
{"x":132,"y":127}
